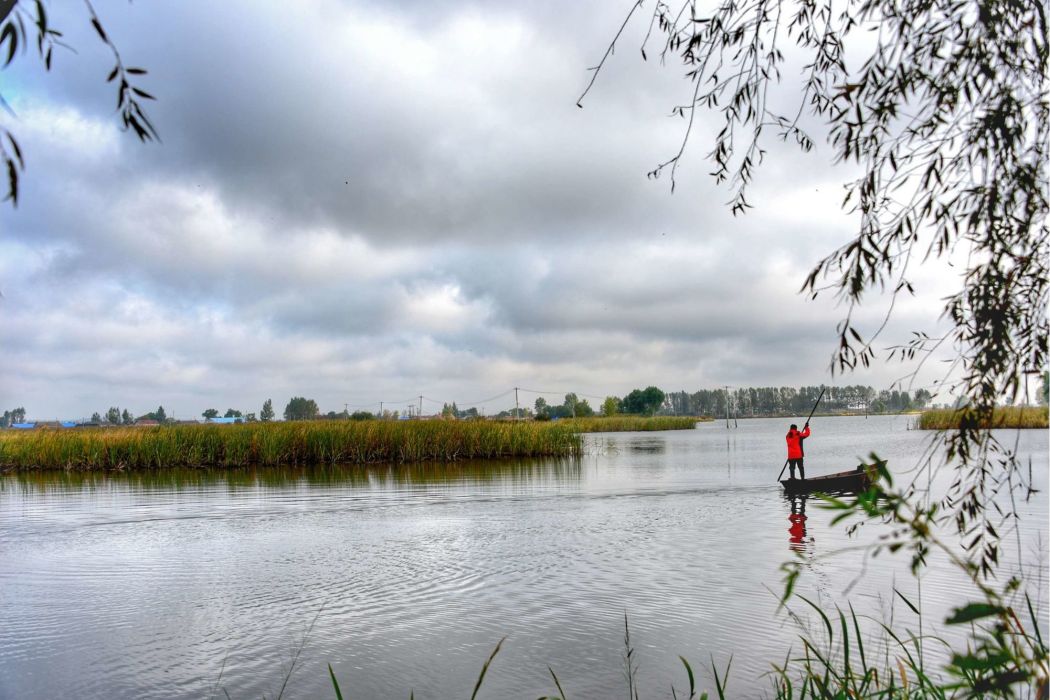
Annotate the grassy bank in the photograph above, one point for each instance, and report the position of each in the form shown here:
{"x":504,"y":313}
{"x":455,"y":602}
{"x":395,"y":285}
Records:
{"x":279,"y":444}
{"x":615,"y":424}
{"x":1003,"y":417}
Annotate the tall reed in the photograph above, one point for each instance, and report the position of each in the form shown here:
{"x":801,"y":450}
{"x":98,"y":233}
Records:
{"x":1002,"y":417}
{"x":274,"y":444}
{"x":617,"y":424}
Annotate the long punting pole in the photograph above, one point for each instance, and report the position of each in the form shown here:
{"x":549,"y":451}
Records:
{"x":814,"y":410}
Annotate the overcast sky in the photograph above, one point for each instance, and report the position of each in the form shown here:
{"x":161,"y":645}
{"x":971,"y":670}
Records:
{"x":360,"y":201}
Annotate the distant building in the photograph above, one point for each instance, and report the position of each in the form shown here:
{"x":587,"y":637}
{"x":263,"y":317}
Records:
{"x":146,"y":422}
{"x":226,"y":421}
{"x":45,"y":424}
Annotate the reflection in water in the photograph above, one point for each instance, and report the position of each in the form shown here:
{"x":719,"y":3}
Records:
{"x":797,"y":539}
{"x":372,"y":476}
{"x":655,"y":446}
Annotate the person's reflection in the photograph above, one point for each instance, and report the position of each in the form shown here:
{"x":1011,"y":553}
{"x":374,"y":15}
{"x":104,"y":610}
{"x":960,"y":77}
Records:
{"x":797,"y":531}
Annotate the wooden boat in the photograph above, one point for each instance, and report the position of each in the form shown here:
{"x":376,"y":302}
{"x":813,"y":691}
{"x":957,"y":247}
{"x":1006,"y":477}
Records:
{"x":853,"y":480}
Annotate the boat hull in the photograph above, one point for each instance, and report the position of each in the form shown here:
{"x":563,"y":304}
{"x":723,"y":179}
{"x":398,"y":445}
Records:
{"x":854,"y":480}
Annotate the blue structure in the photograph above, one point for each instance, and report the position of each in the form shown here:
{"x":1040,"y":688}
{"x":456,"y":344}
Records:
{"x":23,"y":426}
{"x":226,"y":421}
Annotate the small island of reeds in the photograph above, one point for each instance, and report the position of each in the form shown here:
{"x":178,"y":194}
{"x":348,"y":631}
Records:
{"x":626,"y":424}
{"x":1002,"y":417}
{"x":306,"y":442}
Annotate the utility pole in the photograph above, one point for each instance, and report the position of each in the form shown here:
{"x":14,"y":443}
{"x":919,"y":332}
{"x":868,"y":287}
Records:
{"x":517,"y":411}
{"x":727,"y":407}
{"x":380,"y":409}
{"x":346,"y":410}
{"x":420,"y":414}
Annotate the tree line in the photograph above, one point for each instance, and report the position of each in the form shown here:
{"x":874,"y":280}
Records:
{"x":772,"y":401}
{"x":740,"y":402}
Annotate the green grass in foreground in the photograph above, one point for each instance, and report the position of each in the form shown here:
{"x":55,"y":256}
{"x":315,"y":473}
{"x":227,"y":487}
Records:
{"x":836,"y":662}
{"x":1002,"y":417}
{"x":277,"y":444}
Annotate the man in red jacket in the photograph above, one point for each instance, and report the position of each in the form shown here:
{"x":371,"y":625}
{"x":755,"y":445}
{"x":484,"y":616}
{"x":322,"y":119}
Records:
{"x":795,"y":451}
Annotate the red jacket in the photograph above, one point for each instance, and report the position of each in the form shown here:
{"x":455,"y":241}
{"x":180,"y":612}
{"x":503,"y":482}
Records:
{"x":794,"y":441}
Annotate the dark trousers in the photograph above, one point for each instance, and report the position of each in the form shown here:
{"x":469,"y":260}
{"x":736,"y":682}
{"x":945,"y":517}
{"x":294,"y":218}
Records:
{"x":792,"y":463}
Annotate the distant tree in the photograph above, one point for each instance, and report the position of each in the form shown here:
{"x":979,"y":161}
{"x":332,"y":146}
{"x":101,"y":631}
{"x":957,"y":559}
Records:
{"x":921,"y":398}
{"x":267,"y":413}
{"x":113,"y":415}
{"x":300,"y":408}
{"x":126,"y":418}
{"x":96,"y":418}
{"x":233,"y":413}
{"x":542,"y":409}
{"x":340,"y":415}
{"x":210,"y":413}
{"x":17,"y":415}
{"x":1044,"y":392}
{"x":250,"y":418}
{"x":362,"y":415}
{"x":611,"y":406}
{"x":157,"y":415}
{"x":515,"y":413}
{"x":647,"y":401}
{"x":573,"y":406}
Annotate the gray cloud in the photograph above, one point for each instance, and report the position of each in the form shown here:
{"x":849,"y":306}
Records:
{"x":358,"y":201}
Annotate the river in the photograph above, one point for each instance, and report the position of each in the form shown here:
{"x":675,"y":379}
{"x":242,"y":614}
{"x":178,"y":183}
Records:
{"x":188,"y":584}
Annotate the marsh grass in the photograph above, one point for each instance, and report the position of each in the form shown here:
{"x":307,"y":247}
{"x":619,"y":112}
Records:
{"x":1002,"y":417}
{"x":625,"y":424}
{"x":308,"y":443}
{"x":284,"y":444}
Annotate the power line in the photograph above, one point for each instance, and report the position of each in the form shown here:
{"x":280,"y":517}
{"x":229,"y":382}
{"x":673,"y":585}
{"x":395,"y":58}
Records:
{"x":556,"y":393}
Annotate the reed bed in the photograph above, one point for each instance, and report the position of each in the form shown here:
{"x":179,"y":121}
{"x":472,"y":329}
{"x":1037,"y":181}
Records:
{"x":1002,"y":417}
{"x":282,"y":444}
{"x":622,"y":424}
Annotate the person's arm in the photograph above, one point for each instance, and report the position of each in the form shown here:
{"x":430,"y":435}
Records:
{"x":805,"y":431}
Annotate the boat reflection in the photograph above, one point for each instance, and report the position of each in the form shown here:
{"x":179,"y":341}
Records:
{"x":797,"y":536}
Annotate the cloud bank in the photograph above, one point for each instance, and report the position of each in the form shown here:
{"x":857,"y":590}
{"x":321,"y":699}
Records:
{"x":363,"y":201}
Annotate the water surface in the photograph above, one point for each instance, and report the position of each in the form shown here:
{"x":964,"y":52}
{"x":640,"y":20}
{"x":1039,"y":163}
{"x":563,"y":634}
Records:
{"x":185,"y":584}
